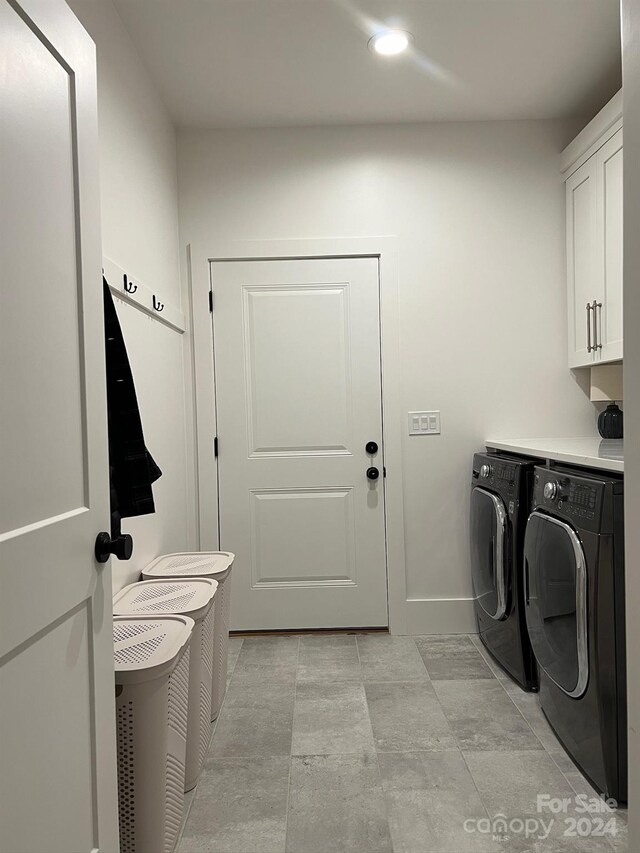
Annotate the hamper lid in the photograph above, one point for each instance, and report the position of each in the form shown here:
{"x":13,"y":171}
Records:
{"x":146,"y":646}
{"x":190,"y":564}
{"x":188,"y":597}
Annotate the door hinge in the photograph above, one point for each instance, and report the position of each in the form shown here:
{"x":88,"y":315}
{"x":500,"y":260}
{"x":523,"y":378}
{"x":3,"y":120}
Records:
{"x":211,"y":301}
{"x":215,"y":447}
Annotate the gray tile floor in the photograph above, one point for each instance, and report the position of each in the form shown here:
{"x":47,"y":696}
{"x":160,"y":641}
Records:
{"x":371,"y":744}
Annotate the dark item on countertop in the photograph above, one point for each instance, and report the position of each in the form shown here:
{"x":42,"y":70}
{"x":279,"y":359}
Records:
{"x":610,"y":422}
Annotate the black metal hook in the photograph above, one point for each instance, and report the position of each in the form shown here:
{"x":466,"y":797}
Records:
{"x":129,"y":286}
{"x":159,"y":306}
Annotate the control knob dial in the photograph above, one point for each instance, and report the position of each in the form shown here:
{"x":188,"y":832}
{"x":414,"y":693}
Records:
{"x":551,"y":491}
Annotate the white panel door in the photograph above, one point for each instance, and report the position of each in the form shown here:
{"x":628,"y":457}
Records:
{"x":609,"y":168}
{"x":57,"y":718}
{"x":298,"y":390}
{"x":584,"y":283}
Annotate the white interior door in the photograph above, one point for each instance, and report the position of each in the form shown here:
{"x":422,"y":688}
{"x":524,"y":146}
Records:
{"x":57,"y":729}
{"x":298,"y":397}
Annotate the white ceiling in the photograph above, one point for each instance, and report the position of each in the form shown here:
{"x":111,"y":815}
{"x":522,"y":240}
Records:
{"x":261,"y":63}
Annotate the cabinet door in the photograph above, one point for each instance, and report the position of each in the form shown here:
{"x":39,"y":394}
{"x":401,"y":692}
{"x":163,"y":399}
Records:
{"x":583,"y":285}
{"x":609,"y":227}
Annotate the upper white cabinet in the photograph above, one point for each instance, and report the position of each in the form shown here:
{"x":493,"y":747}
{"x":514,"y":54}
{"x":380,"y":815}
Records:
{"x":581,"y":261}
{"x":592,"y":167}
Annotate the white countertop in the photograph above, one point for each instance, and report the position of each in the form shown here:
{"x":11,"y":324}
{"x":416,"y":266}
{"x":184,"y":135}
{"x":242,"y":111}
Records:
{"x":607,"y":454}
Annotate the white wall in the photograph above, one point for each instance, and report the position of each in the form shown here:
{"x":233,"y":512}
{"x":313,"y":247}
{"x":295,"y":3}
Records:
{"x":479,"y":212}
{"x":138,"y":184}
{"x":631,"y":82}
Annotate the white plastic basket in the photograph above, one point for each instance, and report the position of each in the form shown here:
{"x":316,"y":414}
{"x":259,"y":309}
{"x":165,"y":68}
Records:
{"x":151,"y":659}
{"x":216,"y":565}
{"x":191,"y":597}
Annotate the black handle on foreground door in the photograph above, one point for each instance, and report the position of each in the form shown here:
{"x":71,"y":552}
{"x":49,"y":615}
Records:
{"x":372,"y":473}
{"x":121,"y":546}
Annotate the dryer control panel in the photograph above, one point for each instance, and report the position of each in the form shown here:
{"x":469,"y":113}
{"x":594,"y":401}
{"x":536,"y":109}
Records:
{"x":576,"y":498}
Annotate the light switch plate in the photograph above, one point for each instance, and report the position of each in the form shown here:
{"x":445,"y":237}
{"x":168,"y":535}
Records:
{"x":424,"y":423}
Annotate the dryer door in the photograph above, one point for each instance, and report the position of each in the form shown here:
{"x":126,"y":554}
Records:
{"x":556,"y":601}
{"x":489,"y":552}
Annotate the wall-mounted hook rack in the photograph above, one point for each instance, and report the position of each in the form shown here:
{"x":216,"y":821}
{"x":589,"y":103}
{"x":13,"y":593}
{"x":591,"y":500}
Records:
{"x":142,"y":297}
{"x":129,"y":286}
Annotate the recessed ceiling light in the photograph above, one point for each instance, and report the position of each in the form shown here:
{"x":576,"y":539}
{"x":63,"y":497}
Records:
{"x":390,"y":42}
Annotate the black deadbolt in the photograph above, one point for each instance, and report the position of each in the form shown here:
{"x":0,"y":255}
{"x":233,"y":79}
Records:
{"x":372,"y":473}
{"x":371,"y":447}
{"x":121,"y":547}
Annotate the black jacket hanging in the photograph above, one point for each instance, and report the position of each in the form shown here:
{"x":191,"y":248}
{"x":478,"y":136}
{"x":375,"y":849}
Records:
{"x":132,"y":467}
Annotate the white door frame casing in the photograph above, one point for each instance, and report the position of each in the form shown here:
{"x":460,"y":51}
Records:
{"x":385,"y":249}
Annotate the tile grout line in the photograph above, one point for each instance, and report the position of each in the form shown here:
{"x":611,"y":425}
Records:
{"x":460,"y":751}
{"x":233,"y":669}
{"x":440,"y":705}
{"x":472,"y":777}
{"x":214,"y":726}
{"x":295,"y":694}
{"x":375,"y":751}
{"x":502,"y":683}
{"x":187,"y":812}
{"x":366,"y":705}
{"x":422,"y":660}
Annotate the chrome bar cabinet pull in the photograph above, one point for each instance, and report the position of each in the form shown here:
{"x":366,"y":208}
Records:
{"x":597,"y":329}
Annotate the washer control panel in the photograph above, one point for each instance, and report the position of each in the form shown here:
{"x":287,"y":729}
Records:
{"x":497,"y":473}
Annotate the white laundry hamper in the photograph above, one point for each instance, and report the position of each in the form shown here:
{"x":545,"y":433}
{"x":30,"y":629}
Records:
{"x":216,"y":565}
{"x":192,"y":597}
{"x":151,"y":659}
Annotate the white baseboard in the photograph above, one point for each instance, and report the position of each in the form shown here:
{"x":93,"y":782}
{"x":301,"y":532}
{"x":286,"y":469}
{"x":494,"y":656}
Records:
{"x":440,"y":616}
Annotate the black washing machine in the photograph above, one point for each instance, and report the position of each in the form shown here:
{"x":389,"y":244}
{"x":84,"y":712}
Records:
{"x":500,"y":494}
{"x":574,"y":603}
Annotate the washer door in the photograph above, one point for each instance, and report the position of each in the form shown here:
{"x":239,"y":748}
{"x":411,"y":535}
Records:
{"x":556,"y":601}
{"x":489,"y":552}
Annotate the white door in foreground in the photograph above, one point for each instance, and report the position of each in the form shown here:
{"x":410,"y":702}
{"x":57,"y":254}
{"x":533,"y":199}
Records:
{"x":298,"y":389}
{"x":58,"y":790}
